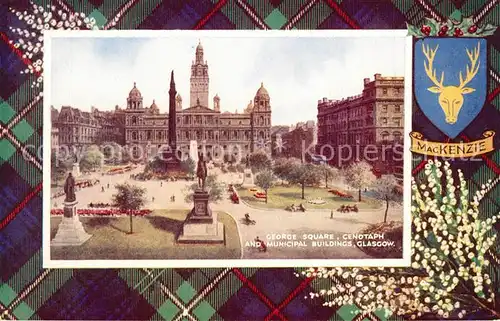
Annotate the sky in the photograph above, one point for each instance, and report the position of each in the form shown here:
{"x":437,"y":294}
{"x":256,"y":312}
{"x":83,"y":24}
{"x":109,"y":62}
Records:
{"x":296,"y":71}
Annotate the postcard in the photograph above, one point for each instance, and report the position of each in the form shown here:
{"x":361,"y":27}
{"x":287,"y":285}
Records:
{"x":227,"y":149}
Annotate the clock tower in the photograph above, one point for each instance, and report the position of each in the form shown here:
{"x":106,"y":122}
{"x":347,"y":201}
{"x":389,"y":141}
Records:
{"x":199,"y":79}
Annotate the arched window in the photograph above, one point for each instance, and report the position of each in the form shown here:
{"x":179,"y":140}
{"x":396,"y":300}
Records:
{"x":262,"y":120}
{"x":397,"y":135}
{"x":384,"y":135}
{"x":261,"y":134}
{"x":134,"y":120}
{"x":134,"y":135}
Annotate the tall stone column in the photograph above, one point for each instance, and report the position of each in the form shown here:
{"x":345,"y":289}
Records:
{"x":171,"y":156}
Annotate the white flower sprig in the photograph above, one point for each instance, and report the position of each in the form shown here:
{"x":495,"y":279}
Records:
{"x":36,"y":21}
{"x":448,"y":275}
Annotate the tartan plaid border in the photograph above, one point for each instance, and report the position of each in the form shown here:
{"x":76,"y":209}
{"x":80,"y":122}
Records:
{"x":27,"y":291}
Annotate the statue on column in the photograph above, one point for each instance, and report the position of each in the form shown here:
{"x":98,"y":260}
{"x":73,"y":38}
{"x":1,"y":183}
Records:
{"x":201,"y":171}
{"x":69,"y":189}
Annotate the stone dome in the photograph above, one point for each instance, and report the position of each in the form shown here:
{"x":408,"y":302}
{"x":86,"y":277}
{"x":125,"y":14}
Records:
{"x":262,"y":92}
{"x":178,"y":97}
{"x":199,"y":47}
{"x":134,"y":93}
{"x":153,"y":105}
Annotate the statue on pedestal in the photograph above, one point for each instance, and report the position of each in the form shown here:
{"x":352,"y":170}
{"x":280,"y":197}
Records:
{"x":201,"y":171}
{"x":69,"y":189}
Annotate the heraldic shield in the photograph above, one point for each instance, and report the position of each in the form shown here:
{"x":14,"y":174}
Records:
{"x":450,"y":83}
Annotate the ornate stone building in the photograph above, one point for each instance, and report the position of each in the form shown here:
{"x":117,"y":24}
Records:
{"x":375,"y":118}
{"x":76,"y":127}
{"x":144,"y":129}
{"x":216,"y":132}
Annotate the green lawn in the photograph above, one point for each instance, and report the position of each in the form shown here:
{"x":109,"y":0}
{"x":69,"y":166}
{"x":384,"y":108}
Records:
{"x":153,"y":238}
{"x":283,"y":195}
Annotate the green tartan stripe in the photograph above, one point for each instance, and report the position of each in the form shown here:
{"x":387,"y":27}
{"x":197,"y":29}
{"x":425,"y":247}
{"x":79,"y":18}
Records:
{"x":487,"y":206}
{"x":262,"y":8}
{"x":24,"y":94}
{"x":412,"y":11}
{"x":198,"y":280}
{"x":25,"y":168}
{"x":136,"y":15}
{"x":315,"y":16}
{"x":109,"y":7}
{"x":444,"y":7}
{"x":496,"y":101}
{"x":139,"y":280}
{"x":493,"y":16}
{"x":496,"y":157}
{"x":80,"y":6}
{"x":289,"y":8}
{"x":471,"y":7}
{"x":494,"y":59}
{"x":26,"y":273}
{"x":238,"y":16}
{"x":211,"y":273}
{"x":35,"y":116}
{"x":35,"y":142}
{"x":248,"y":272}
{"x":49,"y":285}
{"x":44,"y":3}
{"x":231,"y":284}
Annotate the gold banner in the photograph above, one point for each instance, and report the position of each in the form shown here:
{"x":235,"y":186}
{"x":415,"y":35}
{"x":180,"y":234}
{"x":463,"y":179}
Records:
{"x":454,"y":150}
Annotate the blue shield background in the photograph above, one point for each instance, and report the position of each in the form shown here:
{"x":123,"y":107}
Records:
{"x":451,"y":58}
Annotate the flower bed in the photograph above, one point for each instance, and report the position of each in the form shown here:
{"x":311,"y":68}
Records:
{"x":340,"y":194}
{"x":260,"y":195}
{"x":101,"y":212}
{"x":120,"y":170}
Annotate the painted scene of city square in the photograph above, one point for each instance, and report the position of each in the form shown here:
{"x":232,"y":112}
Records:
{"x":195,"y":147}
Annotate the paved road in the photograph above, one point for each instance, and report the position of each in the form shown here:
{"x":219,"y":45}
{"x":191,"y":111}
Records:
{"x":269,"y":223}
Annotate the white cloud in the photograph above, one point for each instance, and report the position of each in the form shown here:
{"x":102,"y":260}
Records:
{"x":296,"y":72}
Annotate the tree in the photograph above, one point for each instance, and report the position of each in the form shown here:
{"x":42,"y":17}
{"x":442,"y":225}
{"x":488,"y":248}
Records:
{"x":129,"y":198}
{"x":156,"y":165}
{"x":329,"y":172}
{"x":189,"y":166}
{"x":359,"y":175}
{"x":112,"y":153}
{"x":215,"y":189}
{"x":283,"y":167}
{"x":305,"y":174}
{"x":60,"y":165}
{"x":385,"y":188}
{"x":265,"y":180}
{"x":91,"y":159}
{"x":259,"y":161}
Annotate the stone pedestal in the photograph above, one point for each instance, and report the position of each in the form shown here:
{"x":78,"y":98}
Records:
{"x":70,"y":231}
{"x":248,"y":179}
{"x":76,"y":170}
{"x":201,"y":225}
{"x":172,"y":161}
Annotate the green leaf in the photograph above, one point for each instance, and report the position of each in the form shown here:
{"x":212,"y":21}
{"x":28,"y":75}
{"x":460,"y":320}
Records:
{"x":414,"y":31}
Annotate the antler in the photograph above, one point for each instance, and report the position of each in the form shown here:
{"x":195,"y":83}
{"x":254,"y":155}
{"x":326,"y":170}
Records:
{"x":431,"y":73}
{"x":470,"y":71}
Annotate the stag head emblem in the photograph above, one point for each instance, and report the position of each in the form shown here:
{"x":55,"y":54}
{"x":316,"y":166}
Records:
{"x":451,"y":98}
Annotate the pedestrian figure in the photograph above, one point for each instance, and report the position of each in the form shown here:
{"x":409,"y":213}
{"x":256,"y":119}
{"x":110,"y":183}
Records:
{"x":153,"y":198}
{"x":108,"y":185}
{"x":102,"y":189}
{"x":161,"y":183}
{"x":331,"y":214}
